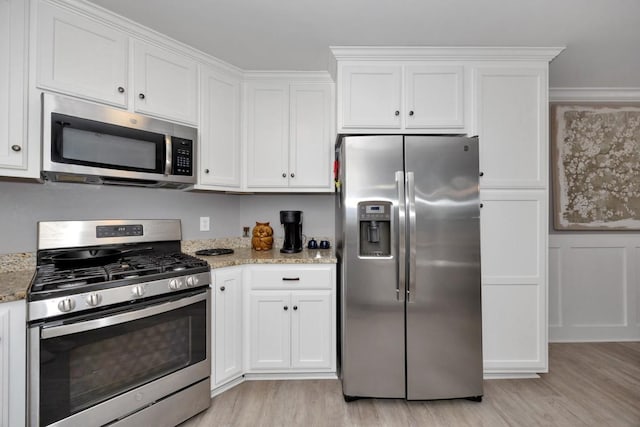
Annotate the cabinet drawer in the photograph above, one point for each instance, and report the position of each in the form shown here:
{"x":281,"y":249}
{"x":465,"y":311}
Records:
{"x":304,"y":277}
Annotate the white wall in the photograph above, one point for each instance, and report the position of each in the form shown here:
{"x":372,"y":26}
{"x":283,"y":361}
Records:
{"x":594,"y":277}
{"x":317,"y":212}
{"x":23,"y":204}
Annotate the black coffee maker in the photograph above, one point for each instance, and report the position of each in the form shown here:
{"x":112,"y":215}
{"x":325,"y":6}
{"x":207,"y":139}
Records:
{"x":292,"y":222}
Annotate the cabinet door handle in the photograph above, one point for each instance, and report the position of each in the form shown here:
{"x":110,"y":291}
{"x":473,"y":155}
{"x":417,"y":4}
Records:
{"x":291,"y":279}
{"x":397,"y":113}
{"x":295,"y":307}
{"x":286,"y":308}
{"x":120,"y":89}
{"x":411,"y":113}
{"x":222,"y":288}
{"x":293,"y":175}
{"x":141,"y":96}
{"x":481,"y":173}
{"x":284,"y":175}
{"x":206,"y":171}
{"x":16,"y":148}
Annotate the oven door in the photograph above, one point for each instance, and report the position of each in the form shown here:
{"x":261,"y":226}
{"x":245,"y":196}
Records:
{"x":94,"y":369}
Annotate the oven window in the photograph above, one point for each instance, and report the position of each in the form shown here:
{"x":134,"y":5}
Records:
{"x":90,"y":143}
{"x":83,"y":369}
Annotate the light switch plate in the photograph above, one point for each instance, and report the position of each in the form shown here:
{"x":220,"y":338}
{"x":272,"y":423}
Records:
{"x":204,"y":223}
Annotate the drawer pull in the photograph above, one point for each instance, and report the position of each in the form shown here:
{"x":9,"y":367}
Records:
{"x":291,"y":279}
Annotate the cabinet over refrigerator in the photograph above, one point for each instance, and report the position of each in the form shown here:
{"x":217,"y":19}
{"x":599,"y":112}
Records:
{"x":408,"y":247}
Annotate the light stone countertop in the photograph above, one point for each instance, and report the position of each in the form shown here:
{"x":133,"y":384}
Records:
{"x":16,"y":270}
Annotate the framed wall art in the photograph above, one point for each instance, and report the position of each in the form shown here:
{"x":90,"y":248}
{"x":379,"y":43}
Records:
{"x":595,"y":155}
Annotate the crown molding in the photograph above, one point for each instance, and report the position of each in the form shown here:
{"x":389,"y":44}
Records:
{"x":302,"y":76}
{"x":148,"y":35}
{"x":464,"y":53}
{"x":594,"y":94}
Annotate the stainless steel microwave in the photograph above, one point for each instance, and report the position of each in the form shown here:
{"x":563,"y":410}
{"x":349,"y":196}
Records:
{"x":95,"y":144}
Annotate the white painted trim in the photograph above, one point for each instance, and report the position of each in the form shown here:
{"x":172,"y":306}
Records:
{"x":137,"y":30}
{"x":594,"y":94}
{"x":499,"y":376}
{"x":291,"y":376}
{"x":462,"y":53}
{"x":227,"y":386}
{"x":297,"y":76}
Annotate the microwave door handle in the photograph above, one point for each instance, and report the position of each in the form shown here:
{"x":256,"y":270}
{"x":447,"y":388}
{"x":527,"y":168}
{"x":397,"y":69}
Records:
{"x":168,"y":164}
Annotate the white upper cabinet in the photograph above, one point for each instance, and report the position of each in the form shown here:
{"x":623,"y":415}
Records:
{"x":13,"y":51}
{"x":166,"y":83}
{"x":311,"y":139}
{"x":267,"y":134}
{"x":414,"y":97}
{"x":219,"y":143}
{"x":512,"y":119}
{"x":86,"y":57}
{"x":369,"y":96}
{"x":81,"y":57}
{"x":434,"y":97}
{"x":288,"y":136}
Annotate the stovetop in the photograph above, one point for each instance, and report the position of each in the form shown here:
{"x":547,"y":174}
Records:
{"x":85,"y":266}
{"x":48,"y":277}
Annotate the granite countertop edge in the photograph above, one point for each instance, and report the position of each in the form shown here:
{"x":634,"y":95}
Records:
{"x":15,"y":277}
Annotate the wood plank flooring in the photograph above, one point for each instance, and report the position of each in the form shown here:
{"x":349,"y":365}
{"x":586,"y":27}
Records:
{"x":588,"y":384}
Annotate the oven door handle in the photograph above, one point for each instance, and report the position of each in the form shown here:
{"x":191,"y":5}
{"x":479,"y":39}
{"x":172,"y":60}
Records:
{"x":57,"y":331}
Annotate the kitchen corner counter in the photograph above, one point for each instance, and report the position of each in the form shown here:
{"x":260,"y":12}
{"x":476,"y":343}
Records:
{"x":242,"y":256}
{"x":14,"y":285}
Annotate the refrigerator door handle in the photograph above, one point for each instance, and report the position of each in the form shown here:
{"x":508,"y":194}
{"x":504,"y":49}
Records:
{"x":411,"y":204}
{"x":400,"y":240}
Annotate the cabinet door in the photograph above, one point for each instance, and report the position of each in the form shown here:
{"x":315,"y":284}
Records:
{"x":13,"y":372}
{"x":80,"y":56}
{"x":219,"y":144}
{"x":227,"y":350}
{"x":512,"y":117}
{"x":514,"y":280}
{"x":267,"y":135}
{"x":311,"y":139}
{"x":434,"y":97}
{"x":13,"y":151}
{"x":311,"y":343}
{"x":269,"y":330}
{"x":370,"y":97}
{"x":165,"y":83}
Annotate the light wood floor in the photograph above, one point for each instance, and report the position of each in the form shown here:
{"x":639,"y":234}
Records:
{"x":590,"y":384}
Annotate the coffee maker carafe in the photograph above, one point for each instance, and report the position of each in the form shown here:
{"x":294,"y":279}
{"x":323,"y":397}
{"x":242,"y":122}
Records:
{"x":292,"y":222}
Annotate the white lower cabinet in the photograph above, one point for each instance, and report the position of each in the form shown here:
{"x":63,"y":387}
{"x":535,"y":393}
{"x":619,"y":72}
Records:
{"x":275,"y":321}
{"x":13,"y":351}
{"x":227,"y":325}
{"x":292,"y":319}
{"x":290,"y":330}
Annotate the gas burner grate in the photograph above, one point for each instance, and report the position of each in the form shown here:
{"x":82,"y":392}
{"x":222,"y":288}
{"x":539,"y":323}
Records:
{"x":48,"y":277}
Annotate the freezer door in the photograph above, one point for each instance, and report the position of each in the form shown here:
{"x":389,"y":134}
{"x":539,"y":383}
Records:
{"x":444,"y":321}
{"x":372,"y":297}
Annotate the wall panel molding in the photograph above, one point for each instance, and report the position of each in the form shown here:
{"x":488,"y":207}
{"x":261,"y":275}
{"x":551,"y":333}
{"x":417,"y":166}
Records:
{"x":594,"y":287}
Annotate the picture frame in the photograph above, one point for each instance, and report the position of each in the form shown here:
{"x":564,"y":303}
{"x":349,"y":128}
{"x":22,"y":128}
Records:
{"x":595,"y":166}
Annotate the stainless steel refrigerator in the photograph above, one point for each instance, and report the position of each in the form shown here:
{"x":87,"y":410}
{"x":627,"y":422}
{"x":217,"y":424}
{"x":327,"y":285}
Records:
{"x":408,"y":246}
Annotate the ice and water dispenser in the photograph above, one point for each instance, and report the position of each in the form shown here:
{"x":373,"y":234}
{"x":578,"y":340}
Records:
{"x":375,"y":228}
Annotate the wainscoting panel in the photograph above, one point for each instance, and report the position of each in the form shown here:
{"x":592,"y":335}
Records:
{"x":594,"y":291}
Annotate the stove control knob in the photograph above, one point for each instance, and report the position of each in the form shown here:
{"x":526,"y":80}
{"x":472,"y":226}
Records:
{"x":174,"y":284}
{"x":138,"y":290}
{"x":66,"y":305}
{"x":192,"y":281}
{"x":94,"y":299}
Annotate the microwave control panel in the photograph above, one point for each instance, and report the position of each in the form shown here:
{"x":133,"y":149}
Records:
{"x":182,"y":156}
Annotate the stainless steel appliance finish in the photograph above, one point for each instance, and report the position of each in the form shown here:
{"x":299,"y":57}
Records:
{"x":119,"y":341}
{"x":411,"y":324}
{"x":163,"y":163}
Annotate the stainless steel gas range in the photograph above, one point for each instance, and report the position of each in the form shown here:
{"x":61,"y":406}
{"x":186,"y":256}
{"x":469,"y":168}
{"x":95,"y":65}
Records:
{"x":118,"y":325}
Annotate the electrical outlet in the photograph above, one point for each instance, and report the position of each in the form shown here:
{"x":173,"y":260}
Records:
{"x":204,"y":223}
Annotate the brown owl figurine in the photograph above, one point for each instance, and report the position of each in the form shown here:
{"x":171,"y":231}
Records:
{"x":262,"y":239}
